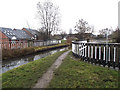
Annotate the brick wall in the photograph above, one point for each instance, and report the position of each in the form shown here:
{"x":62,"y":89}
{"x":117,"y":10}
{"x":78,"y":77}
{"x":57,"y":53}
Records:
{"x":4,"y":41}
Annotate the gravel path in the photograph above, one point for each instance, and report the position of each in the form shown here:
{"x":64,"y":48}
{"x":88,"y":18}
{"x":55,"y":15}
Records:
{"x":43,"y":82}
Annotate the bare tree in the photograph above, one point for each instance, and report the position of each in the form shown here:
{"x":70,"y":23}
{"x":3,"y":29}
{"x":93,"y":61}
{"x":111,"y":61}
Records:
{"x":116,"y":35}
{"x":105,"y":32}
{"x":63,"y":34}
{"x":82,"y":27}
{"x":48,"y":15}
{"x":91,"y":29}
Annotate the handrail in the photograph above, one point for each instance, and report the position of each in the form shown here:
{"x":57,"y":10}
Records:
{"x":96,"y":43}
{"x":106,"y":54}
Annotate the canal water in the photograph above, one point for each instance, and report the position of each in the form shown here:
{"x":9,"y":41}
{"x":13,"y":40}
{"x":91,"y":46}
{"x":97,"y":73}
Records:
{"x":13,"y":63}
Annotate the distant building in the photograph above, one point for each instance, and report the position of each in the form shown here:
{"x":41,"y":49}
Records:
{"x":57,"y":36}
{"x":12,"y":38}
{"x":83,"y":36}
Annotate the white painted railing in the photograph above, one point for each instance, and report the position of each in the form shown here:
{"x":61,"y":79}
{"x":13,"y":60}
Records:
{"x":101,"y":53}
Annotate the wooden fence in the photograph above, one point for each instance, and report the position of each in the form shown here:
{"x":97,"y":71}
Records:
{"x":25,"y":44}
{"x":98,"y":53}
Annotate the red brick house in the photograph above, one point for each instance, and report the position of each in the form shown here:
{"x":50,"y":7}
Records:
{"x":15,"y":38}
{"x":3,"y":39}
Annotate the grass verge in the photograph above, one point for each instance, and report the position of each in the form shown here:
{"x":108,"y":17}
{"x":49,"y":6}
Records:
{"x":63,"y":41}
{"x":38,"y":49}
{"x":27,"y":75}
{"x":79,"y":74}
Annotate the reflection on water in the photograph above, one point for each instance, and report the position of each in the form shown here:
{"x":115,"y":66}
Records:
{"x":10,"y":64}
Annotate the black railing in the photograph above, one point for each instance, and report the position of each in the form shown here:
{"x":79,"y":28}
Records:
{"x":106,"y":54}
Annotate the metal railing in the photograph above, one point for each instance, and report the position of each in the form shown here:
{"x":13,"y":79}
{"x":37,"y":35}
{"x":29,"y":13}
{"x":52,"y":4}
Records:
{"x":25,"y":44}
{"x":105,"y":54}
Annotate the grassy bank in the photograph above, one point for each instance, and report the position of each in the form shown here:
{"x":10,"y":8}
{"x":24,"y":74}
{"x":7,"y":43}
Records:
{"x":63,"y":41}
{"x":27,"y":75}
{"x":38,"y":49}
{"x":8,"y":54}
{"x":79,"y":74}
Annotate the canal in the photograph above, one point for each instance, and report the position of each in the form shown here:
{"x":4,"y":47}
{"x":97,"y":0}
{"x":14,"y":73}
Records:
{"x":13,"y":63}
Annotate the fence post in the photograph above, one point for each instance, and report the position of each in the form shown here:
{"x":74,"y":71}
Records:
{"x":119,"y":57}
{"x":114,"y":63}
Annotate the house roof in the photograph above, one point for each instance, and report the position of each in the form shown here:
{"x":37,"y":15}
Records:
{"x":32,"y":31}
{"x":8,"y":32}
{"x":21,"y":34}
{"x":15,"y":34}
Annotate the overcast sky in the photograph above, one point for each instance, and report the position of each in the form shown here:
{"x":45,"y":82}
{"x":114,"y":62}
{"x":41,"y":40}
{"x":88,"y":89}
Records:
{"x":100,"y":13}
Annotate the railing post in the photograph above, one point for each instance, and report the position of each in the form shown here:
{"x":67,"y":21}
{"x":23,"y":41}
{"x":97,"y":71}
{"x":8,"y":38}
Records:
{"x":91,"y":51}
{"x":104,"y":55}
{"x":114,"y":53}
{"x":119,"y":57}
{"x":77,"y":49}
{"x":88,"y":51}
{"x":114,"y":63}
{"x":80,"y":52}
{"x":99,"y":54}
{"x":85,"y":50}
{"x":96,"y":52}
{"x":109,"y":56}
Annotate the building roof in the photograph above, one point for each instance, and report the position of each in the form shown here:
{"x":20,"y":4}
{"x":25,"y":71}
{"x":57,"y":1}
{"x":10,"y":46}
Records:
{"x":32,"y":31}
{"x":21,"y":34}
{"x":8,"y":32}
{"x":15,"y":34}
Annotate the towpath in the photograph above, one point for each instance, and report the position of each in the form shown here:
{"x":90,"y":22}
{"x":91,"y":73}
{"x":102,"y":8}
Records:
{"x":43,"y":82}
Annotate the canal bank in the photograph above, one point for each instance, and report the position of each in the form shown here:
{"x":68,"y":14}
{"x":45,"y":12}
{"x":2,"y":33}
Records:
{"x":27,"y":75}
{"x":16,"y":62}
{"x":15,"y":53}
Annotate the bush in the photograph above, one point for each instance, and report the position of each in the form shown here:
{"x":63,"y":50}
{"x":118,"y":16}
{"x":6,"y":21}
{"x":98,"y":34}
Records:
{"x":12,"y":53}
{"x":63,"y":41}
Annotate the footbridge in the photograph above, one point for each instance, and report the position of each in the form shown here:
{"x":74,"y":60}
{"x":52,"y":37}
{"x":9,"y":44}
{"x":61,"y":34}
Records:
{"x":104,"y":54}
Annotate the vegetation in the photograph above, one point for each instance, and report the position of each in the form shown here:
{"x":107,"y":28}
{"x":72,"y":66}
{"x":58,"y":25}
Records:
{"x":27,"y":75}
{"x":8,"y":53}
{"x":105,"y":32}
{"x":49,"y":47}
{"x":78,"y":74}
{"x":116,"y":36}
{"x":48,"y":15}
{"x":113,"y":36}
{"x":83,"y":27}
{"x":63,"y":41}
{"x":12,"y":53}
{"x":63,"y":34}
